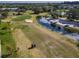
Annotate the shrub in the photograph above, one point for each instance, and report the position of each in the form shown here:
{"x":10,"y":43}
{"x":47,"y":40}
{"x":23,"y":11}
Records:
{"x":53,"y":24}
{"x":72,"y":30}
{"x":4,"y":28}
{"x":38,"y":17}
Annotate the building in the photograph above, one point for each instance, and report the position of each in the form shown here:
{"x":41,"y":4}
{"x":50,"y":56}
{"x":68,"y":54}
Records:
{"x":12,"y":9}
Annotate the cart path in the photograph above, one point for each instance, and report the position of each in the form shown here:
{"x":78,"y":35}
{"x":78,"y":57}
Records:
{"x":23,"y":43}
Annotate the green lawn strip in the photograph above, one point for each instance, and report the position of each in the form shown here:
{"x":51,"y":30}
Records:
{"x":21,"y":17}
{"x":7,"y":43}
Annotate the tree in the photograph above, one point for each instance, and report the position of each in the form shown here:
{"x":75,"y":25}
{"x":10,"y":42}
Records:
{"x":73,"y":14}
{"x":37,"y":10}
{"x":53,"y":24}
{"x":46,"y":9}
{"x":38,"y":17}
{"x":4,"y":14}
{"x":55,"y":6}
{"x":54,"y":15}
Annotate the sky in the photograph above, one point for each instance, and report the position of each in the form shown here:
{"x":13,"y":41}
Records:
{"x":30,"y":1}
{"x":55,"y":1}
{"x":34,"y":1}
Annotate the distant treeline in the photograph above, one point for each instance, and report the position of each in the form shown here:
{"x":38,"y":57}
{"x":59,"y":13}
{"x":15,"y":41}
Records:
{"x":74,"y":2}
{"x":67,"y":2}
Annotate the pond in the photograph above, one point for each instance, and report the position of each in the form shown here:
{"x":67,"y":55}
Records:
{"x":44,"y":22}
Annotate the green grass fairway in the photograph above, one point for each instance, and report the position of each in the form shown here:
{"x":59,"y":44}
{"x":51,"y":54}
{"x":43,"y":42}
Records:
{"x":22,"y":17}
{"x":49,"y":44}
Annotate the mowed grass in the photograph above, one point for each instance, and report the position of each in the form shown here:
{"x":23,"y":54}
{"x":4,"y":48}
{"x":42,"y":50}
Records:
{"x":49,"y":46}
{"x":22,"y":17}
{"x":7,"y":45}
{"x":36,"y":38}
{"x":7,"y":41}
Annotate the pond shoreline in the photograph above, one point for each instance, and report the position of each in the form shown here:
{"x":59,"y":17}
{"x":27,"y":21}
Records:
{"x":46,"y":24}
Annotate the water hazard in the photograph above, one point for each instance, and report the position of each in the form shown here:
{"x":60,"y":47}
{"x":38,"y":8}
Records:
{"x":44,"y":22}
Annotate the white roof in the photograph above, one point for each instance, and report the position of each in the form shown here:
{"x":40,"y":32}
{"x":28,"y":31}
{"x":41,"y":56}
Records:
{"x":54,"y":21}
{"x":71,"y":25}
{"x":61,"y":24}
